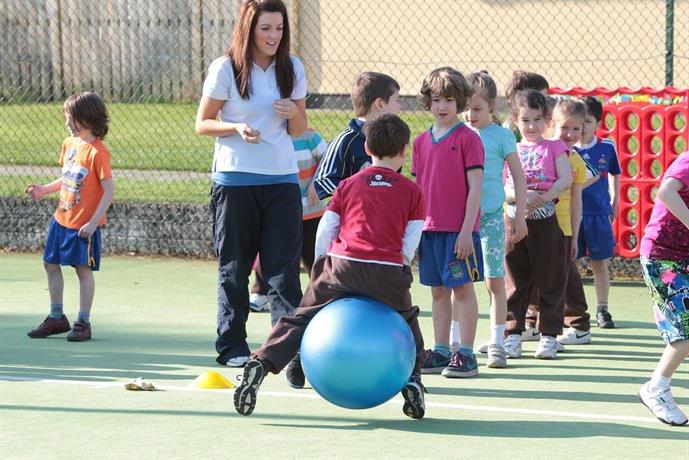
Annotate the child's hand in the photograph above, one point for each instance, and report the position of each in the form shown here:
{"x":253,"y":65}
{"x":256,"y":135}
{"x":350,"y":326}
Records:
{"x":249,"y":134}
{"x":285,"y":108}
{"x":535,"y":200}
{"x":35,"y":191}
{"x":614,"y":209}
{"x":87,"y":230}
{"x":464,"y":245}
{"x":519,"y":229}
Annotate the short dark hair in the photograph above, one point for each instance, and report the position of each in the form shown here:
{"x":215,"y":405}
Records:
{"x":386,"y":135}
{"x":593,"y":107}
{"x":446,"y":82}
{"x":523,"y":80}
{"x":89,"y":110}
{"x":370,"y":86}
{"x":530,"y":99}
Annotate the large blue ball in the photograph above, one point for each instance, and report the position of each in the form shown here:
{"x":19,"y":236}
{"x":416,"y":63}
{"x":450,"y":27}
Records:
{"x":357,"y":352}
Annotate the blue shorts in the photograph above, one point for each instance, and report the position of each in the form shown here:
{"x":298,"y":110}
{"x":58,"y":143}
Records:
{"x":493,"y":243}
{"x":595,"y":236}
{"x":439,"y":266}
{"x":64,"y":246}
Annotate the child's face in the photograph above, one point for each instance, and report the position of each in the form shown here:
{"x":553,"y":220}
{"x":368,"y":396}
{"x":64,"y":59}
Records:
{"x":531,"y":124}
{"x":590,"y":127}
{"x":478,"y":114}
{"x":392,"y":105}
{"x":444,"y":109}
{"x":73,"y":126}
{"x":569,"y":130}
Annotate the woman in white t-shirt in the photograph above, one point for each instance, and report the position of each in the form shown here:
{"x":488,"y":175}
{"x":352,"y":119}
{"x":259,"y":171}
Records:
{"x":258,"y":91}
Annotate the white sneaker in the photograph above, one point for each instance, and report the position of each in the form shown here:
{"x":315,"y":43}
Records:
{"x":513,"y":345}
{"x":560,"y":347}
{"x":258,"y":302}
{"x":547,"y":348}
{"x":573,"y":336}
{"x":239,"y":361}
{"x":497,"y":357}
{"x":531,"y":334}
{"x":484,"y":347}
{"x":662,"y":405}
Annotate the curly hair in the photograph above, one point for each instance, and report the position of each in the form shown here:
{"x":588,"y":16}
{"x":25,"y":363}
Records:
{"x":445,"y":82}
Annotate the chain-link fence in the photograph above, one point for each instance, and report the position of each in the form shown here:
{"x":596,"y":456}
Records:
{"x":147,"y":58}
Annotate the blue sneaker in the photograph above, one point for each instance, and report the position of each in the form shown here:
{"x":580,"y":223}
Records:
{"x":461,"y":366}
{"x":434,"y":362}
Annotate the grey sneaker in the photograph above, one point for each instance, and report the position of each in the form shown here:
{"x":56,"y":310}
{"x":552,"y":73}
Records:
{"x":497,"y":357}
{"x":294,"y":373}
{"x":604,"y":319}
{"x":245,"y":394}
{"x":663,"y":405}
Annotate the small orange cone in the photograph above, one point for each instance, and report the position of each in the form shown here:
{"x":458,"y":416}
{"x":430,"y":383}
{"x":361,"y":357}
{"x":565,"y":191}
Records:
{"x":211,"y":381}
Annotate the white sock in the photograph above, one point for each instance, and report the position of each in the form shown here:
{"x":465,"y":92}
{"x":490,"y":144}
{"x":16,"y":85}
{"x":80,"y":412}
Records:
{"x":454,"y":332}
{"x":659,"y":383}
{"x":497,"y":334}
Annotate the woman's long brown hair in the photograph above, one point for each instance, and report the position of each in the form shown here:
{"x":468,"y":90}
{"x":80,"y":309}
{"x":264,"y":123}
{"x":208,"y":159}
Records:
{"x":241,"y":49}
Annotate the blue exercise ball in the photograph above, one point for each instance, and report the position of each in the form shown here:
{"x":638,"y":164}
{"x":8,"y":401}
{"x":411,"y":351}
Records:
{"x":357,"y":352}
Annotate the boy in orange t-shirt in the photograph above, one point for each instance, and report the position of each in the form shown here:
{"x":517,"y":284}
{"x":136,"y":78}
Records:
{"x":86,"y":191}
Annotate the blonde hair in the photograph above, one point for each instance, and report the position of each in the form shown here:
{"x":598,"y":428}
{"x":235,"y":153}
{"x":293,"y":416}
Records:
{"x":445,"y":82}
{"x":568,"y":108}
{"x":482,"y":84}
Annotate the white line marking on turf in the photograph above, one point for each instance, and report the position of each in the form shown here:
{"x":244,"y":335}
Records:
{"x":312,"y":395}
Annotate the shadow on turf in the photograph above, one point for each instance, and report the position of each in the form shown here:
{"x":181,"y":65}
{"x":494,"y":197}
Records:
{"x":111,"y":355}
{"x":539,"y":393}
{"x":540,"y":381}
{"x":480,"y":428}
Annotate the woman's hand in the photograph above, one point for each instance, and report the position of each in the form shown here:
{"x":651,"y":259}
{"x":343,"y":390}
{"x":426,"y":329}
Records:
{"x":285,"y":108}
{"x":249,"y":134}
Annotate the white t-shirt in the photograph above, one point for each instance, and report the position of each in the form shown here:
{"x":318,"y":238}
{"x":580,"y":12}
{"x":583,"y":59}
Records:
{"x":274,"y":154}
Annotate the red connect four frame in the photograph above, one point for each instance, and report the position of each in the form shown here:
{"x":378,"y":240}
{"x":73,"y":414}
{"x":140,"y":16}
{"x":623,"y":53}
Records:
{"x":650,"y":128}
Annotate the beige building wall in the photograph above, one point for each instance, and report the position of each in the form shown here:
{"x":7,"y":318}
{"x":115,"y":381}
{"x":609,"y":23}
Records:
{"x":573,"y":43}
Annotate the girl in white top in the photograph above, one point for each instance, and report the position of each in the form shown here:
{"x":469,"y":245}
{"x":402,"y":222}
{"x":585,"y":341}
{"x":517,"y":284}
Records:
{"x":258,"y":90}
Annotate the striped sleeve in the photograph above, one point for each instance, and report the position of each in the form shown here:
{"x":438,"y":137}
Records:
{"x":331,"y":169}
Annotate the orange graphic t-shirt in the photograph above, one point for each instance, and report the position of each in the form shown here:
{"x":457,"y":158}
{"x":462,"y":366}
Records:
{"x":84,"y":166}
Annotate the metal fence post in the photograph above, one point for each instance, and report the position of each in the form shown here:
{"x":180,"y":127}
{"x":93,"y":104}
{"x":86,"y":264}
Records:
{"x":669,"y":41}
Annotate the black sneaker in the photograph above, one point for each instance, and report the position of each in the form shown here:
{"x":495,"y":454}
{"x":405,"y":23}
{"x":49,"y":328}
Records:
{"x":294,"y":373}
{"x":414,"y":400}
{"x":604,"y":319}
{"x":245,"y":394}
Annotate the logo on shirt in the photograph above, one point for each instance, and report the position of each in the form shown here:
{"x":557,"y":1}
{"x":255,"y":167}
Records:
{"x":73,"y":176}
{"x":378,"y":180}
